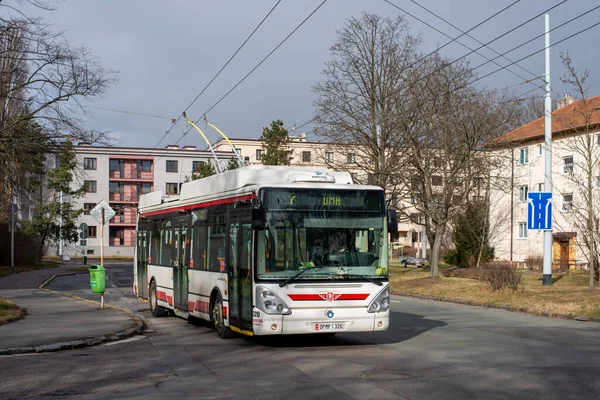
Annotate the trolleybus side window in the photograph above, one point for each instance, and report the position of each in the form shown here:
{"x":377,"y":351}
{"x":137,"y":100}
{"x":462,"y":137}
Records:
{"x":216,"y":246}
{"x":166,"y":250}
{"x":155,"y":228}
{"x":199,"y":239}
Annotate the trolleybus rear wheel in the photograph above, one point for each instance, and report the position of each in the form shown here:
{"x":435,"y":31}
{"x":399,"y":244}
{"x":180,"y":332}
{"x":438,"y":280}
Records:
{"x":157,"y":311}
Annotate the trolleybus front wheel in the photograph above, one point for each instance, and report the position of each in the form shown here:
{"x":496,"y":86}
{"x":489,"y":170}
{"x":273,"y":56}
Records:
{"x":157,"y":311}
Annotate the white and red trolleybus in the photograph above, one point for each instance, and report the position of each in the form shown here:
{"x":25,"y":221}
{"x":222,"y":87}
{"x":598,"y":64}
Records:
{"x":265,"y":250}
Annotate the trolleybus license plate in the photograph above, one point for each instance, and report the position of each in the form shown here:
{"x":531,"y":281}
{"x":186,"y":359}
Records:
{"x":329,"y":327}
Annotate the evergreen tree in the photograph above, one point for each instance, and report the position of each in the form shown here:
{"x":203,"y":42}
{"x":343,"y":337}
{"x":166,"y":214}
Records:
{"x":275,"y":140}
{"x":206,"y":169}
{"x":470,"y":234}
{"x":55,"y":219}
{"x":232,"y":164}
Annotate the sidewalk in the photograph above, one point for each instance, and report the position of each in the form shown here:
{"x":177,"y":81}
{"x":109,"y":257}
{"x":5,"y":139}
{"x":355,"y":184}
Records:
{"x":65,"y":314}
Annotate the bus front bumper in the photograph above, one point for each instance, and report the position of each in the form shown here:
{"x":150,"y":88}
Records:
{"x":330,"y":320}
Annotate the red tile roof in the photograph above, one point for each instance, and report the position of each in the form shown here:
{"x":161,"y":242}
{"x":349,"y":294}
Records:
{"x":567,"y":118}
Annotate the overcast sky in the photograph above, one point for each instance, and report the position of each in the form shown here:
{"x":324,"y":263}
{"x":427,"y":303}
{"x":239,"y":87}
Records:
{"x":167,"y":51}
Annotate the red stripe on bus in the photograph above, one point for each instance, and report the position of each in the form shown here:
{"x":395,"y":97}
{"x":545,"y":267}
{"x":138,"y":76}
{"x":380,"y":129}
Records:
{"x":193,"y":206}
{"x":328,"y":297}
{"x":170,"y":300}
{"x":201,"y":306}
{"x":160,"y":295}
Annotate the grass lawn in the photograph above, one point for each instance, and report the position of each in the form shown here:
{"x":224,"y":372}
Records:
{"x":7,"y":270}
{"x":9,"y":312}
{"x":569,"y":295}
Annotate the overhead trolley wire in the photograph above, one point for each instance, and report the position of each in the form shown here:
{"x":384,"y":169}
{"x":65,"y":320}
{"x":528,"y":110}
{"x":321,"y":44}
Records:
{"x":251,"y":71}
{"x":491,"y":41}
{"x":217,"y":74}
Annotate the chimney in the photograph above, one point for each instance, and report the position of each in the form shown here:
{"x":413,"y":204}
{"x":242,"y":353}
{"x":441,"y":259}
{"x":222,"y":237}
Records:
{"x":172,"y":146}
{"x":564,"y":101}
{"x":189,"y":147}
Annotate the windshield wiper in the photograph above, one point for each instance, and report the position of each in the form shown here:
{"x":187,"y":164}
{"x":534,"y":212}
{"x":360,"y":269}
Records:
{"x":292,"y":278}
{"x":378,"y":283}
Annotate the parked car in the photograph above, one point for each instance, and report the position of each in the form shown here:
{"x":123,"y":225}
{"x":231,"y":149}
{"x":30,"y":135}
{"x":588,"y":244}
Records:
{"x":415,"y":261}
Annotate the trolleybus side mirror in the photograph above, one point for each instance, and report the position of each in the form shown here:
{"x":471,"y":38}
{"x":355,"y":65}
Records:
{"x":392,"y":222}
{"x":258,"y":215}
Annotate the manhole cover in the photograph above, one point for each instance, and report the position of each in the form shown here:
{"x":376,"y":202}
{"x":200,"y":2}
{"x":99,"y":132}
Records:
{"x":385,"y":376}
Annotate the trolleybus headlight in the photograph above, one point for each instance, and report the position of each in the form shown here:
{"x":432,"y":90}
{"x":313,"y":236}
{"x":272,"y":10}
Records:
{"x":269,"y":302}
{"x":381,"y":302}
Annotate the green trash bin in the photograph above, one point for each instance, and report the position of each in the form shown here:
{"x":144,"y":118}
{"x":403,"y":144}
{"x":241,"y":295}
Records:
{"x":97,"y":278}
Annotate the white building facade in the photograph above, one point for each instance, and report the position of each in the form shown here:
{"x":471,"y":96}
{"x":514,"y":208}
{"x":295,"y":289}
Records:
{"x":519,"y":168}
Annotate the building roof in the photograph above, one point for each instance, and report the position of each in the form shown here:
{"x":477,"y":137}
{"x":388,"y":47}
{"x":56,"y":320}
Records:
{"x":565,"y":119}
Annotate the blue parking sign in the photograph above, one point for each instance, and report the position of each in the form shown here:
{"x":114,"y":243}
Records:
{"x":539,"y":211}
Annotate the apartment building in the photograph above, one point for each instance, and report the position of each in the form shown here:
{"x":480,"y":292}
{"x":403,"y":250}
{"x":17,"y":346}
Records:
{"x":119,"y":175}
{"x":519,"y":168}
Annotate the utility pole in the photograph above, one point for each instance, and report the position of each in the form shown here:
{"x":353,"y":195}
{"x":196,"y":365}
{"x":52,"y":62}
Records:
{"x":12,"y":203}
{"x":547,"y":266}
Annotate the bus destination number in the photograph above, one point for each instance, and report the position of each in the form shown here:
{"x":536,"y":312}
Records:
{"x":332,"y":201}
{"x":329,"y":327}
{"x":256,"y":314}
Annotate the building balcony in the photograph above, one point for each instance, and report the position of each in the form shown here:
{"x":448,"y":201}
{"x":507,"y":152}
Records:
{"x":118,"y":197}
{"x":134,"y":174}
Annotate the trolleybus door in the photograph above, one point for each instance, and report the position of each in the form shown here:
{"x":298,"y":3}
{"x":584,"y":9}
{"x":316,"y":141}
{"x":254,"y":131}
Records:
{"x":181,"y":261}
{"x":239,"y":271}
{"x":142,"y":259}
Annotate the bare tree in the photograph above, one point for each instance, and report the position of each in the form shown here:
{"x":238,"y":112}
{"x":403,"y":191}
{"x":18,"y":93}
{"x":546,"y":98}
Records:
{"x":43,"y":78}
{"x":582,"y":141}
{"x":357,"y":98}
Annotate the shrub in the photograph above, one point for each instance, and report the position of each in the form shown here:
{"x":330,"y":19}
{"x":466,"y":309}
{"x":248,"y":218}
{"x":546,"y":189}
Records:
{"x":499,"y":276}
{"x":534,"y":262}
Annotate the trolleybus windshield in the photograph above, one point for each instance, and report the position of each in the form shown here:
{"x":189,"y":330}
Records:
{"x":334,"y":234}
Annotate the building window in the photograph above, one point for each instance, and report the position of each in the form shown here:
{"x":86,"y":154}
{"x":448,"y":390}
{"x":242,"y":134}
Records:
{"x":89,"y":186}
{"x":598,"y":181}
{"x":436,"y":180}
{"x":306,"y":156}
{"x":478,"y":182}
{"x":524,"y":155}
{"x":567,"y":204}
{"x":522,"y":230}
{"x":351,"y":158}
{"x":354,"y":177}
{"x":260,"y":154}
{"x":329,"y":156}
{"x":172,"y":188}
{"x":87,"y":207}
{"x":197,"y":165}
{"x":540,"y":187}
{"x":523,"y":190}
{"x":568,"y":165}
{"x":143,"y":188}
{"x":113,"y":165}
{"x":89,"y":163}
{"x":172,"y":165}
{"x":91,"y":231}
{"x":598,"y":140}
{"x":89,"y":252}
{"x":146,"y":166}
{"x":477,"y":199}
{"x":540,"y":147}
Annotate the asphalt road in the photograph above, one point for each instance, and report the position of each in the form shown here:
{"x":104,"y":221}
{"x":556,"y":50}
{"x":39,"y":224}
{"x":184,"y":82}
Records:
{"x":432,"y":351}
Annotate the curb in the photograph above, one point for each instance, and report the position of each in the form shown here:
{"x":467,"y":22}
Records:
{"x":137,"y":329}
{"x":521,"y":310}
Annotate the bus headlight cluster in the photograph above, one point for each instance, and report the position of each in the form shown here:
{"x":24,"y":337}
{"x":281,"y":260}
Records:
{"x":269,"y":302}
{"x":381,"y":302}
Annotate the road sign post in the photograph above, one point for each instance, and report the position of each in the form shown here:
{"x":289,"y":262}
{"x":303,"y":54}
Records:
{"x":102,"y":213}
